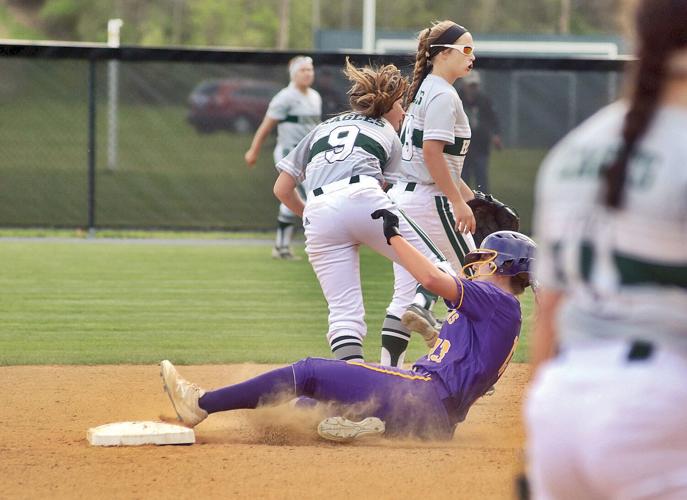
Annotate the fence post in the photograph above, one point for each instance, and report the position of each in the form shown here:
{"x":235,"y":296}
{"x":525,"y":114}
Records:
{"x":91,"y":147}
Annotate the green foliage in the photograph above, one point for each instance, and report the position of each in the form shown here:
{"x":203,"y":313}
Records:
{"x":102,"y":302}
{"x":11,"y":27}
{"x":255,"y":23}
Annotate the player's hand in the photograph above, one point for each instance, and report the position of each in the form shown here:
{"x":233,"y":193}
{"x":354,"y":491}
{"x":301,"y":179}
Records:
{"x":465,"y":219}
{"x":251,"y":157}
{"x":390,"y":223}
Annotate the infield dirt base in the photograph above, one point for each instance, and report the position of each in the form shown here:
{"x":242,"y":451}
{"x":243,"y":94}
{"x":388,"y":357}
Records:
{"x":45,"y":412}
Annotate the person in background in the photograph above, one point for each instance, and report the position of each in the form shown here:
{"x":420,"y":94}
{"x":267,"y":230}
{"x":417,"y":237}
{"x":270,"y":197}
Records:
{"x":484,"y":123}
{"x":295,"y":111}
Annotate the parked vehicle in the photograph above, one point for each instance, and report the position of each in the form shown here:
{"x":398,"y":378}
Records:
{"x":235,"y":104}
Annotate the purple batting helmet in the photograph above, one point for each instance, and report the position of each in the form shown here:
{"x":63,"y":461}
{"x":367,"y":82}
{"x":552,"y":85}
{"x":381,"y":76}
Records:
{"x":514,"y":252}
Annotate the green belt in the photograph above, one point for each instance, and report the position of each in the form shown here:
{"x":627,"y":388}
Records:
{"x":449,"y":149}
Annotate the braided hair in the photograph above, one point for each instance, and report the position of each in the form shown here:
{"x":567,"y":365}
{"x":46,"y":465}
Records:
{"x":661,"y":29}
{"x":423,"y":57}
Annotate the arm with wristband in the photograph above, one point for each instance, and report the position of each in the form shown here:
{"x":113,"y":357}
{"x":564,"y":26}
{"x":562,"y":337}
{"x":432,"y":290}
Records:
{"x":423,"y":270}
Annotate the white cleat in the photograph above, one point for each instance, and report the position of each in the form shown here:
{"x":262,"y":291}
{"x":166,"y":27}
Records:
{"x":417,"y":319}
{"x":341,"y":429}
{"x":183,"y":394}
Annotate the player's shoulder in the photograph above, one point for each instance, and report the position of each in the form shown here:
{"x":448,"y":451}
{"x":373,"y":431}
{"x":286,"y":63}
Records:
{"x":671,"y":125}
{"x":596,"y":132}
{"x":283,"y":95}
{"x":438,"y":88}
{"x":602,"y":126}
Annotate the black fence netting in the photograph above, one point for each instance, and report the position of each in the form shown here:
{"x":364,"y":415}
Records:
{"x":171,"y":129}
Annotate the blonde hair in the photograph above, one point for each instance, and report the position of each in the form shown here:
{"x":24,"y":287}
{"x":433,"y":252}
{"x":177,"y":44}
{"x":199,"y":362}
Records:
{"x":374,"y":90}
{"x":422,"y":60}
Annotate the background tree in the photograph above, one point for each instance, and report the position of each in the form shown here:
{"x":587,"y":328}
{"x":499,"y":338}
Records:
{"x":255,"y":23}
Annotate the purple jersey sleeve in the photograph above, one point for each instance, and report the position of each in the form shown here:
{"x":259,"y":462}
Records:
{"x":474,"y":298}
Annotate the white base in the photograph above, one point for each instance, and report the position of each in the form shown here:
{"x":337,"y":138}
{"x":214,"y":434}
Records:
{"x":139,"y":433}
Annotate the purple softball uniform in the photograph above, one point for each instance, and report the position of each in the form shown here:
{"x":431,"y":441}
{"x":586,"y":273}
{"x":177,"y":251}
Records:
{"x":407,"y":401}
{"x":476,"y":342}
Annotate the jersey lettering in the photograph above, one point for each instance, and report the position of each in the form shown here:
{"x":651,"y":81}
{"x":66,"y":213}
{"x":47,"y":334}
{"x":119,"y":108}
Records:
{"x":464,"y":149}
{"x":342,"y":140}
{"x":452,"y":316}
{"x":407,"y":138}
{"x":442,"y":346}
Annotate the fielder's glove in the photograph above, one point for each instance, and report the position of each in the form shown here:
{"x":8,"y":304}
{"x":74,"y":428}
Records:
{"x":390,"y":223}
{"x":491,"y":215}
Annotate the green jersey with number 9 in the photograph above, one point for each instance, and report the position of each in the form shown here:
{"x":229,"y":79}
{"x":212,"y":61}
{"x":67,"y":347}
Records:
{"x":341,"y":147}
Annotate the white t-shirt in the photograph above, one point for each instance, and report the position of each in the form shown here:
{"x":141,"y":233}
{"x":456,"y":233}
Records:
{"x":435,"y":114}
{"x":624,"y":272}
{"x":297,"y":113}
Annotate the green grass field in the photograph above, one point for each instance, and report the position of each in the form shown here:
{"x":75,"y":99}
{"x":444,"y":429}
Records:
{"x":168,"y":175}
{"x":95,"y":302}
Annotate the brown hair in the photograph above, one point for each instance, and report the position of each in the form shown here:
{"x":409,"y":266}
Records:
{"x":661,"y":27}
{"x":423,"y":61}
{"x":519,"y":283}
{"x":375,"y":89}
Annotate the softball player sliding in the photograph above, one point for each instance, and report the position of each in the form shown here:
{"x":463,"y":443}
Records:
{"x":426,"y":183}
{"x":341,"y":164}
{"x":607,"y":417}
{"x":471,"y":353}
{"x":295,"y":111}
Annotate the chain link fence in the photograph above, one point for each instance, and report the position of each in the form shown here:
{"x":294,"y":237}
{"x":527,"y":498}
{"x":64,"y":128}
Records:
{"x":170,"y":128}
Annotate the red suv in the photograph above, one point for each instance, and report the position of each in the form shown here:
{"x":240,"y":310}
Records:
{"x":236,"y":104}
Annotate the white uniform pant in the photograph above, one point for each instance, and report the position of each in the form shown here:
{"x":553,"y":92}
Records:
{"x":336,"y":223}
{"x":430,"y":209}
{"x":285,"y":215}
{"x":601,"y":426}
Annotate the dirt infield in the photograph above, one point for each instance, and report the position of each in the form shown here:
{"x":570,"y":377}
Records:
{"x":273,"y":453}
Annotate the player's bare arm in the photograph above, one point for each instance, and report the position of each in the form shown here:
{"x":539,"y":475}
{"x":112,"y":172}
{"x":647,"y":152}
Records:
{"x":261,"y":134}
{"x":422,"y":269}
{"x":433,"y":152}
{"x":285,"y":191}
{"x":465,"y":191}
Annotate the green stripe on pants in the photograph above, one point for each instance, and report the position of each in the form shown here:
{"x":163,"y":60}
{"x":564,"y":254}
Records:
{"x":423,"y":236}
{"x":446,"y":216}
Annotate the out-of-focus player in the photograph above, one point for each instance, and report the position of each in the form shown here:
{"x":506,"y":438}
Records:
{"x":607,"y":411}
{"x":295,"y":111}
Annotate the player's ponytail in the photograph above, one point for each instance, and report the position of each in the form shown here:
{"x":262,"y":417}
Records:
{"x":374,"y":90}
{"x":421,"y":66}
{"x":423,"y":57}
{"x":661,"y":28}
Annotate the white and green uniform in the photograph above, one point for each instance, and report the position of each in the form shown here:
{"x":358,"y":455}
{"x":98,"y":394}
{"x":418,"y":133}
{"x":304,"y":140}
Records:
{"x":297,"y":114}
{"x":341,"y":165}
{"x":614,"y":401}
{"x":435,"y":114}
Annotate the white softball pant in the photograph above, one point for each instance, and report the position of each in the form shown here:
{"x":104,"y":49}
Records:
{"x":602,"y":426}
{"x":431,"y":210}
{"x":285,"y":215}
{"x":336,"y":223}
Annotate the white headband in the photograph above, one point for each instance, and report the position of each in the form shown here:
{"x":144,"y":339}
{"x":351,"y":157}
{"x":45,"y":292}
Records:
{"x":297,"y":64}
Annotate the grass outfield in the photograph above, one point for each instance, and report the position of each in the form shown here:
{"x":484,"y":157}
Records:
{"x":97,"y":302}
{"x":168,"y":176}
